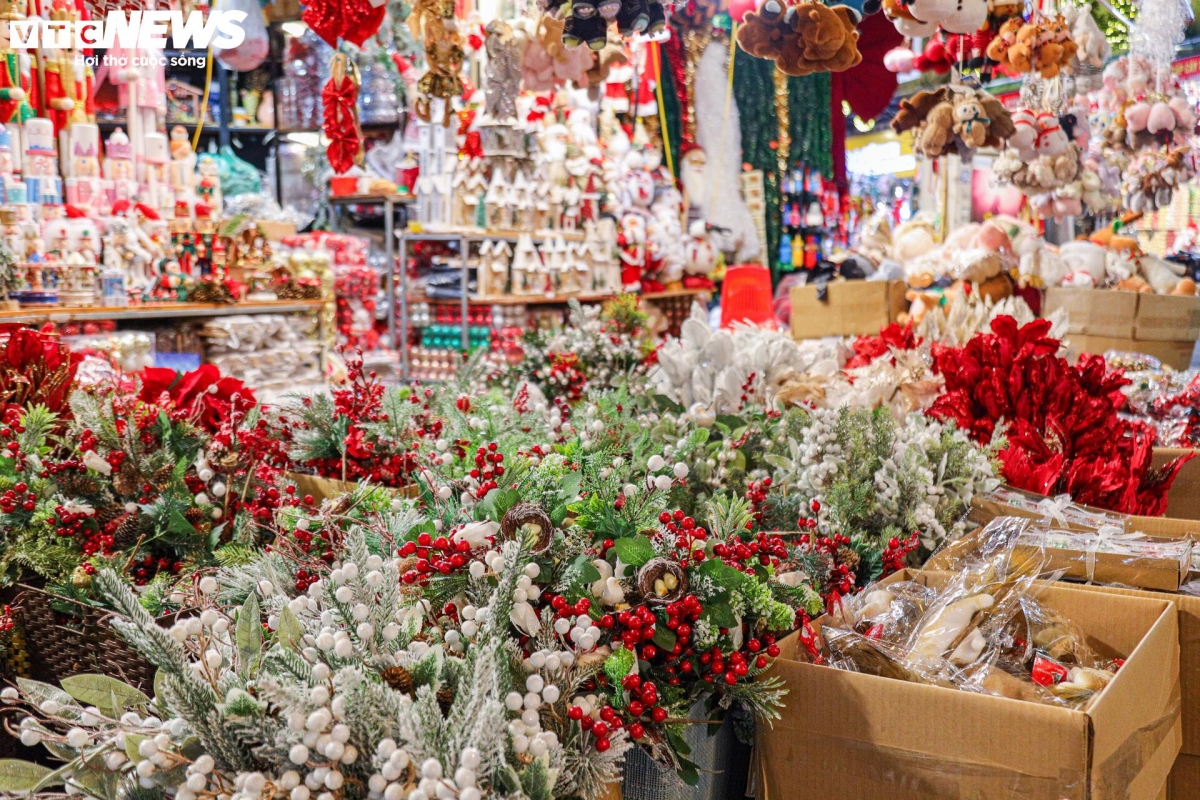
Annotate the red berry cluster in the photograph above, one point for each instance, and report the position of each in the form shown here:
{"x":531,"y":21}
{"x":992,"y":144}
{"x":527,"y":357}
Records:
{"x":489,"y":465}
{"x":144,"y":569}
{"x":896,"y":552}
{"x":18,"y":496}
{"x":304,"y":579}
{"x":6,"y":619}
{"x":756,"y":493}
{"x":434,"y":555}
{"x":687,"y":534}
{"x":642,"y":707}
{"x":83,"y":529}
{"x":840,"y":579}
{"x":566,"y":609}
{"x":764,"y":549}
{"x":634,"y":627}
{"x":748,"y":388}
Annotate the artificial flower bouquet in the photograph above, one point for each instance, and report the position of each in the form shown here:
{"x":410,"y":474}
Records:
{"x":1060,"y":423}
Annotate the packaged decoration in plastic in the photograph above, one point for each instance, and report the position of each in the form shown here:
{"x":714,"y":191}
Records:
{"x":982,"y":629}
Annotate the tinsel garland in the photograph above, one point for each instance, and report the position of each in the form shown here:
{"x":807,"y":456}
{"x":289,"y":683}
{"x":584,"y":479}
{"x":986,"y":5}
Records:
{"x":806,"y":105}
{"x":673,"y":110}
{"x":811,"y":134}
{"x":675,"y":78}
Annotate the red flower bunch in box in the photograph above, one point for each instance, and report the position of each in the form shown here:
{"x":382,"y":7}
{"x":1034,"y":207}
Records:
{"x":36,"y":368}
{"x":202,"y":393}
{"x":1061,"y":424}
{"x":868,"y":348}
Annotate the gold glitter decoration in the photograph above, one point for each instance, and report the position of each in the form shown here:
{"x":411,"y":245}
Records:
{"x":782,"y":119}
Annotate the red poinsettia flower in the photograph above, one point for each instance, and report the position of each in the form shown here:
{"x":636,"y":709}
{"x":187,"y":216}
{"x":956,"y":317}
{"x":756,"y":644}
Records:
{"x":36,"y":368}
{"x":203,"y":392}
{"x":1060,"y":421}
{"x":868,"y":348}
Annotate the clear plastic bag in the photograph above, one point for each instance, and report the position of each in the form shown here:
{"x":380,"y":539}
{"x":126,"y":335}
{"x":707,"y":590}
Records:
{"x":254,"y":48}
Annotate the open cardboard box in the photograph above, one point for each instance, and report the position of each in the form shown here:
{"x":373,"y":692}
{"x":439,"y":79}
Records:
{"x":983,"y":510}
{"x":852,"y":736}
{"x":1183,"y":501}
{"x":848,"y":308}
{"x":1185,"y":778}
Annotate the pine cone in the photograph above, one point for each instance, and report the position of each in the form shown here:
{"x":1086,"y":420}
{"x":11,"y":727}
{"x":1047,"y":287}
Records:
{"x":127,"y":480}
{"x":528,"y":517}
{"x":194,"y":515}
{"x":445,"y":699}
{"x":107,"y":514}
{"x":847,"y":556}
{"x":399,"y":679}
{"x":129,"y":531}
{"x":162,"y":478}
{"x":77,"y":485}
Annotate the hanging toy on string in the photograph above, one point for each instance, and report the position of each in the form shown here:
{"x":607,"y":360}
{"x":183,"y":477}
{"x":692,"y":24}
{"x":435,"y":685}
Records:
{"x":432,"y":22}
{"x":352,"y":20}
{"x":953,"y":119}
{"x":340,"y":101}
{"x":803,"y":39}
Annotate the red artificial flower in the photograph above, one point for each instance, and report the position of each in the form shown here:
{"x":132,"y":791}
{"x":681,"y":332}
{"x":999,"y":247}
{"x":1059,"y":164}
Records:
{"x":868,"y":348}
{"x":36,"y":368}
{"x":1062,"y":432}
{"x":201,"y":392}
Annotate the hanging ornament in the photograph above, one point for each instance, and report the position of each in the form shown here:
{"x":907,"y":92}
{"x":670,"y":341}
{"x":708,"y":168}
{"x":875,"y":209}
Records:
{"x":352,"y":20}
{"x":340,"y":100}
{"x":432,"y":22}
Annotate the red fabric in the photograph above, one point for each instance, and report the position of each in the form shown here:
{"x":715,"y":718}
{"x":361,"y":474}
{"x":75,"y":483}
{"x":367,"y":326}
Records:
{"x":867,"y":87}
{"x":339,"y":124}
{"x":352,"y":20}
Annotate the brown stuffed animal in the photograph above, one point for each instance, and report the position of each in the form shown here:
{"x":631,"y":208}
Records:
{"x":914,"y":110}
{"x":1001,"y":125}
{"x":937,"y":133}
{"x":763,"y":32}
{"x":847,"y":55}
{"x":1006,"y":37}
{"x":970,"y":123}
{"x":1135,"y":283}
{"x":995,"y":288}
{"x":1047,"y":53}
{"x":612,"y":55}
{"x":819,"y":30}
{"x":1020,"y":53}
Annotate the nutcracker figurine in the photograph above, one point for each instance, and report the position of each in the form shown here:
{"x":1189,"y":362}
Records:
{"x":69,"y":81}
{"x":183,"y":165}
{"x":41,"y":163}
{"x":155,"y":178}
{"x":14,"y":67}
{"x":119,"y":169}
{"x":84,"y":186}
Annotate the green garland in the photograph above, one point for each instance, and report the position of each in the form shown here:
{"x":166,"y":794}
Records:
{"x":808,"y":125}
{"x":812,"y":136}
{"x":671,"y":109}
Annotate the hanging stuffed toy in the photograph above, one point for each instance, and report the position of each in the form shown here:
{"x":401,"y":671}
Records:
{"x":340,"y":100}
{"x":802,"y":39}
{"x":352,"y":20}
{"x":432,"y":23}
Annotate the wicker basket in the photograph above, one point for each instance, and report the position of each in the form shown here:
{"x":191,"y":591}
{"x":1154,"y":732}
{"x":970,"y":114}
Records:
{"x":61,"y":645}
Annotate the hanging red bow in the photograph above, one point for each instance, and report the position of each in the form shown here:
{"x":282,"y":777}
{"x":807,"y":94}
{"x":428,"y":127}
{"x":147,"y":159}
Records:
{"x":352,"y":20}
{"x":340,"y":98}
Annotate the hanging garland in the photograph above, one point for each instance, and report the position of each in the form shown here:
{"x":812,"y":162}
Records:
{"x":754,"y":93}
{"x":672,"y":109}
{"x":811,"y":132}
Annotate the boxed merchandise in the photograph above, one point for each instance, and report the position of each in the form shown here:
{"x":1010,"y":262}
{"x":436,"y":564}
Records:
{"x":846,"y":308}
{"x":1183,"y":501}
{"x":1185,"y":778}
{"x":880,"y":737}
{"x":1163,"y":326}
{"x":1111,"y":555}
{"x":1062,"y":513}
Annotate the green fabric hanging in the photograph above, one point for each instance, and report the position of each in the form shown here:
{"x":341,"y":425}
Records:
{"x":671,"y":110}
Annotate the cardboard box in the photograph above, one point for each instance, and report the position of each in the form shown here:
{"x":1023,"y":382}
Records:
{"x":1185,"y":779}
{"x":1177,"y":355}
{"x":1183,"y":501}
{"x":848,"y":308}
{"x":1152,"y":563}
{"x":983,"y":510}
{"x":1094,"y":312}
{"x":1189,"y":661}
{"x":1162,"y":326}
{"x":852,"y":736}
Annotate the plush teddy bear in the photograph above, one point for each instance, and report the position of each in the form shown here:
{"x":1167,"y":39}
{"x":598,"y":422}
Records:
{"x":847,"y":55}
{"x":937,"y":132}
{"x":970,"y":124}
{"x":762,"y":32}
{"x":1021,"y":52}
{"x":1005,"y":38}
{"x":819,"y":30}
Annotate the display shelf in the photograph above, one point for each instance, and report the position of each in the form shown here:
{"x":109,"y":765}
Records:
{"x":532,"y":300}
{"x":372,"y":199}
{"x":480,"y":234}
{"x":157,"y":311}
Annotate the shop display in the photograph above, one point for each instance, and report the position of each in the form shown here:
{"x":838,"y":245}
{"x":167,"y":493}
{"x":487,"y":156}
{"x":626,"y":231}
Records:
{"x":474,"y":400}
